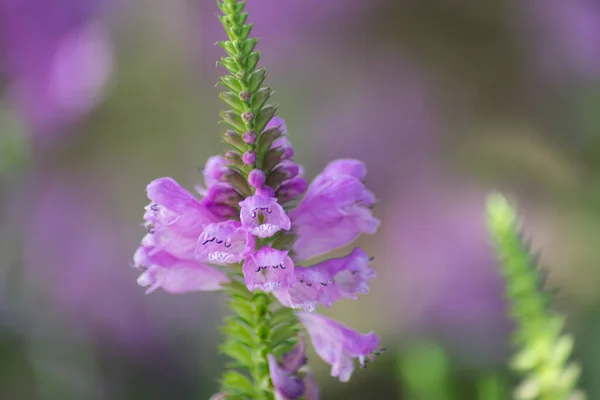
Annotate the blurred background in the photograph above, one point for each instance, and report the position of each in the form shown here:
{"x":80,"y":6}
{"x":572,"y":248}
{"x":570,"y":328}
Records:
{"x":443,"y":100}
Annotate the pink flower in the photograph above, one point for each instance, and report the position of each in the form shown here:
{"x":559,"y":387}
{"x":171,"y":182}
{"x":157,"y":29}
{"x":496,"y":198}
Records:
{"x":328,"y":282}
{"x":176,"y":276}
{"x":269,"y":269}
{"x":288,"y":386}
{"x":263,"y":216}
{"x":214,"y":171}
{"x":221,"y":199}
{"x":58,"y":58}
{"x":290,"y":377}
{"x":334,"y":211}
{"x":291,"y":189}
{"x":174,"y":219}
{"x":224,"y":243}
{"x":338,"y":345}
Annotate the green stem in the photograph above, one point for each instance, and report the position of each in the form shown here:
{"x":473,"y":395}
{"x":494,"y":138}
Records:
{"x":257,"y":327}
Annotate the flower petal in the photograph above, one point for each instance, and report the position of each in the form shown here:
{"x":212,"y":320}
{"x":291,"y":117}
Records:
{"x":338,"y":345}
{"x":263,"y":216}
{"x":269,"y":269}
{"x":328,"y":282}
{"x":182,"y":277}
{"x":224,"y":243}
{"x":288,"y":385}
{"x":334,"y":211}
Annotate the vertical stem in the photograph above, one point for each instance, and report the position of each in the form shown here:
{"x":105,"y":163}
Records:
{"x":255,"y":329}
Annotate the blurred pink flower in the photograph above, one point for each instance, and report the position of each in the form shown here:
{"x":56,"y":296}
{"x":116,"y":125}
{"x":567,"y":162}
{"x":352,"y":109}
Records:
{"x":390,"y":122}
{"x":74,"y":258}
{"x":57,"y":56}
{"x":446,"y":271}
{"x":565,"y":36}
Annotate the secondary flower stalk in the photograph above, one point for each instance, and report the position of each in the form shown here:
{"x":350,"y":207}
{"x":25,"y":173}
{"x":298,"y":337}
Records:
{"x":244,"y":236}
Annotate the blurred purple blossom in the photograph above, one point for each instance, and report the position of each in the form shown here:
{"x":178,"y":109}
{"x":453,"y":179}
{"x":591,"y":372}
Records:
{"x":446,"y":267}
{"x":74,"y":259}
{"x":392,"y":125}
{"x":566,"y":36}
{"x":57,"y":57}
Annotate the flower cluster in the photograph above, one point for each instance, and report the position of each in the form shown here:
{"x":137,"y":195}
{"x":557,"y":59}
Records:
{"x":188,"y":238}
{"x":256,"y":221}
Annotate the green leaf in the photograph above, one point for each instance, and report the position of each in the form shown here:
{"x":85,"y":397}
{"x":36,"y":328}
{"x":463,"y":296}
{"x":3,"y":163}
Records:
{"x":282,"y":333}
{"x":264,"y":116}
{"x":260,"y":98}
{"x":252,"y":61}
{"x":243,"y":309}
{"x":233,"y":100}
{"x":239,"y":352}
{"x":256,"y":79}
{"x":240,"y":331}
{"x":234,"y":379}
{"x":234,"y":120}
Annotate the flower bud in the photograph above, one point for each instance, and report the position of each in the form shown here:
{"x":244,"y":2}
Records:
{"x":291,"y":189}
{"x":249,"y":158}
{"x":248,"y":116}
{"x":265,"y":191}
{"x":256,"y":178}
{"x":250,"y":137}
{"x":283,"y":172}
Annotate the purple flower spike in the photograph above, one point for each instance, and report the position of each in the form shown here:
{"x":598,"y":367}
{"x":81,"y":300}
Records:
{"x":174,"y":219}
{"x":328,"y":282}
{"x":263,"y":216}
{"x":176,"y":276}
{"x":288,"y":386}
{"x":338,"y":345}
{"x":269,"y":269}
{"x":334,"y":211}
{"x":224,"y":243}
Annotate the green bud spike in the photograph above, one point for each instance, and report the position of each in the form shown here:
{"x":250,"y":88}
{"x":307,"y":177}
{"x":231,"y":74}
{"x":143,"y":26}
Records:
{"x":255,"y":329}
{"x":543,"y":350}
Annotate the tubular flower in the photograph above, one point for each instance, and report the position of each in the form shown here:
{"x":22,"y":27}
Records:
{"x":291,"y":379}
{"x":338,"y":345}
{"x":246,"y":221}
{"x":334,"y":211}
{"x":328,"y":282}
{"x":174,"y":219}
{"x":174,"y":275}
{"x":224,"y":243}
{"x":269,"y":269}
{"x":263,"y":216}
